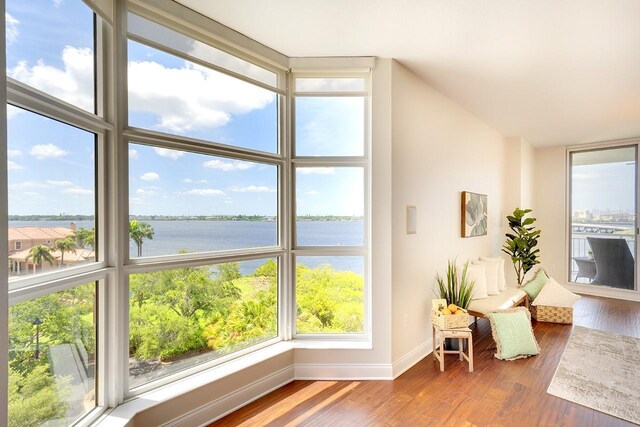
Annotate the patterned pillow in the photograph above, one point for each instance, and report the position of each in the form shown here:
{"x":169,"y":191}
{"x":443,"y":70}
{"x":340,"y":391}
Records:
{"x":535,"y":285}
{"x":554,"y":295}
{"x":513,"y":334}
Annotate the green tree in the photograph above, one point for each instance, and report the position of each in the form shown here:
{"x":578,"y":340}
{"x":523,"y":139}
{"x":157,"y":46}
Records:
{"x":65,"y":245}
{"x":39,"y":254}
{"x":85,"y":237}
{"x":138,"y":231}
{"x":521,"y":244}
{"x":35,"y":397}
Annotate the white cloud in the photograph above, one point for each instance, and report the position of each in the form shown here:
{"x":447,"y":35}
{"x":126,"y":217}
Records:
{"x":60,"y":183}
{"x":227,"y":166}
{"x":165,"y":152}
{"x":13,"y":166}
{"x":73,"y":83}
{"x":80,"y":191}
{"x":312,"y":192}
{"x":205,"y":192}
{"x":253,"y":189}
{"x":42,"y":151}
{"x":57,"y":3}
{"x":316,"y":171}
{"x":27,"y":185}
{"x":13,"y":111}
{"x":133,"y":154}
{"x":143,"y":192}
{"x":12,"y":31}
{"x":31,"y":193}
{"x":191,"y":97}
{"x":150,"y":176}
{"x":192,"y":181}
{"x":14,"y":153}
{"x":187,"y":180}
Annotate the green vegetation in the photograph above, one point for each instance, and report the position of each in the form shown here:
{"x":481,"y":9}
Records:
{"x":138,"y":231}
{"x":39,"y":254}
{"x":35,"y":394}
{"x":458,"y":289}
{"x":174,"y":315}
{"x":270,"y":218}
{"x":521,"y":244}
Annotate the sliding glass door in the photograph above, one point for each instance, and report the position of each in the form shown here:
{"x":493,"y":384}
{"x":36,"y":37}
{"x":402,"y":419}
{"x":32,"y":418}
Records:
{"x":603,"y":217}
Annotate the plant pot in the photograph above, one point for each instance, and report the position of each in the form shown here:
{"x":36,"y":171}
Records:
{"x":452,"y":344}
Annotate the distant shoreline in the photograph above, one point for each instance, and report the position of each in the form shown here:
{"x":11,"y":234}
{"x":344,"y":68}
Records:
{"x":256,"y":218}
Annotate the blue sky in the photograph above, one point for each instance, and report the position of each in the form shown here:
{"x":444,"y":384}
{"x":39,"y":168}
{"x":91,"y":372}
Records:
{"x":51,"y":164}
{"x":605,"y":186}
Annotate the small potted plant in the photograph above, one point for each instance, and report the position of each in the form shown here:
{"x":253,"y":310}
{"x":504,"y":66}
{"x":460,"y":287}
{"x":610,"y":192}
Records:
{"x":456,"y":289}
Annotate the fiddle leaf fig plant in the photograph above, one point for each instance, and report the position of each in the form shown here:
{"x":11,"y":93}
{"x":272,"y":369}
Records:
{"x":521,"y":244}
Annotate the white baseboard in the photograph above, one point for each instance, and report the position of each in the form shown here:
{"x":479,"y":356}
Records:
{"x":222,"y":406}
{"x":411,"y":358}
{"x":343,"y":372}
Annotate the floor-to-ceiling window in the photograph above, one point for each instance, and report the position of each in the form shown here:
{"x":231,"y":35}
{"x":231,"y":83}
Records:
{"x":162,"y":217}
{"x":603,"y":185}
{"x":55,"y":140}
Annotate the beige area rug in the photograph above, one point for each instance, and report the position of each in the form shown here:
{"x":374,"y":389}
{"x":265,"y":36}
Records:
{"x":601,"y":371}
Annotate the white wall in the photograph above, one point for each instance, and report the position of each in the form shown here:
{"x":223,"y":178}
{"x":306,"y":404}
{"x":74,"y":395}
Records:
{"x":550,"y":209}
{"x":439,"y":150}
{"x":518,"y":188}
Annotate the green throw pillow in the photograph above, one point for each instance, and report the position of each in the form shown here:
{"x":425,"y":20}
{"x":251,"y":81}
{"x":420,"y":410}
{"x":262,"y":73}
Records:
{"x":513,"y":334}
{"x":535,"y":285}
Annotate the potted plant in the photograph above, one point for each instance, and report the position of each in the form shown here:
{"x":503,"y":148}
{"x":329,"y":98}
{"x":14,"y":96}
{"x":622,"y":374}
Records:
{"x":457,"y":290}
{"x":521,"y":244}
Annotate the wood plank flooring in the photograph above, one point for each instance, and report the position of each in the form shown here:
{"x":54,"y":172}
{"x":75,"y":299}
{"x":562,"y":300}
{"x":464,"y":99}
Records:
{"x":497,"y":393}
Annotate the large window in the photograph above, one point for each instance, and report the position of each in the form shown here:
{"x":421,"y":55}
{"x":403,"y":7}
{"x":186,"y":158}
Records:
{"x":603,"y":217}
{"x":185,"y":317}
{"x":171,"y":204}
{"x":55,"y":144}
{"x":204,"y":191}
{"x":330,"y":243}
{"x":199,"y":203}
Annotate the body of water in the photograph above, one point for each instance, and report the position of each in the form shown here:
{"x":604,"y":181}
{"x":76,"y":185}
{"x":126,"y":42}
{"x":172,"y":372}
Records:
{"x":170,"y":237}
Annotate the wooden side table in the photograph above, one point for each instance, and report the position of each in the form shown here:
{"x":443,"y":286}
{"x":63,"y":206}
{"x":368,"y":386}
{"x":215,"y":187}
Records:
{"x":460,"y":334}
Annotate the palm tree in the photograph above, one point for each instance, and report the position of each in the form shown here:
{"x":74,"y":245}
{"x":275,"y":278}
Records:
{"x":39,"y":254}
{"x":65,"y":245}
{"x":85,"y":237}
{"x":138,"y":231}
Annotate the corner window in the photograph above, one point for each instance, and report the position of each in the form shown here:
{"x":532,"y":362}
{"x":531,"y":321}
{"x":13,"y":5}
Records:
{"x":331,"y":216}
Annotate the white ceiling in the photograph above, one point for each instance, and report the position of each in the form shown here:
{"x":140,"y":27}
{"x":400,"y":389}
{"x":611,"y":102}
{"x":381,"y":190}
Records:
{"x":553,"y":72}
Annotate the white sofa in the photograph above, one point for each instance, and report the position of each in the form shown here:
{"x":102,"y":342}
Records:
{"x":508,"y":298}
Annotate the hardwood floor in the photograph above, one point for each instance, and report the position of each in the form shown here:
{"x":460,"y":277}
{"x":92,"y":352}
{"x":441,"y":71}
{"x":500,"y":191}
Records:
{"x":496,"y":393}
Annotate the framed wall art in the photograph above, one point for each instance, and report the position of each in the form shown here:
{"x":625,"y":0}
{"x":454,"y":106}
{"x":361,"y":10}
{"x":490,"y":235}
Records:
{"x":474,"y":214}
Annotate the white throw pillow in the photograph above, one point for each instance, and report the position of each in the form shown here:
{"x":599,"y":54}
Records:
{"x":491,"y":275}
{"x":555,"y":295}
{"x":502,"y":280}
{"x":476,"y":273}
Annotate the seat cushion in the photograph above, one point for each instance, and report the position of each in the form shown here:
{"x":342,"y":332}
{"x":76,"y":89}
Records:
{"x":502,"y":279}
{"x":506,"y":299}
{"x":491,"y":274}
{"x":476,"y":274}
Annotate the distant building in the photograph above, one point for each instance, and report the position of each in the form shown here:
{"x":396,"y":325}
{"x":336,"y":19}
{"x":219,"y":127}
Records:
{"x":22,"y":239}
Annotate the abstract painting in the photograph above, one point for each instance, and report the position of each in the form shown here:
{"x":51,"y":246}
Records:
{"x":474,"y":214}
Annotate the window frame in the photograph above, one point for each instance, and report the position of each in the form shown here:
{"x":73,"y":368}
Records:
{"x":332,"y":161}
{"x":109,"y":123}
{"x":585,"y":287}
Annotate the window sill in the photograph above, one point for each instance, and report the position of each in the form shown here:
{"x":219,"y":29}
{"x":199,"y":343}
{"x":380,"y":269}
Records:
{"x":123,"y":414}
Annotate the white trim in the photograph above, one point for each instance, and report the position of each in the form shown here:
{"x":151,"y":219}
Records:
{"x":200,"y":27}
{"x":409,"y":359}
{"x":332,"y":63}
{"x":235,"y":400}
{"x":126,"y":412}
{"x":4,"y":235}
{"x":343,"y":371}
{"x":604,"y":291}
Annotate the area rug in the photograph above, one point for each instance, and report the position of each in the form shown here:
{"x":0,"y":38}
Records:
{"x":601,"y":371}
